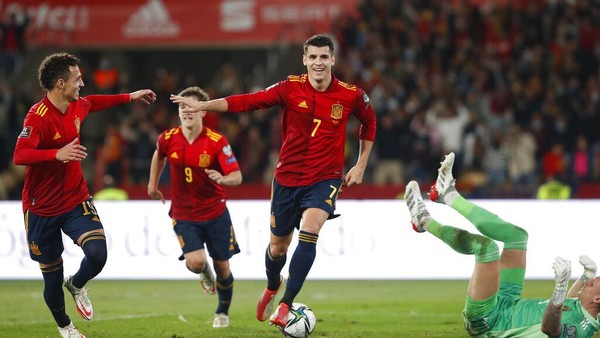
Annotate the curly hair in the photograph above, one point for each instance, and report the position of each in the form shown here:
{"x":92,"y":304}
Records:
{"x":54,"y":67}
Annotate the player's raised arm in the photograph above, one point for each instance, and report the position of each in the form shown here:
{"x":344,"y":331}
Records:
{"x":146,"y":96}
{"x":553,"y":314}
{"x":104,"y":101}
{"x":589,"y":272}
{"x":190,"y":105}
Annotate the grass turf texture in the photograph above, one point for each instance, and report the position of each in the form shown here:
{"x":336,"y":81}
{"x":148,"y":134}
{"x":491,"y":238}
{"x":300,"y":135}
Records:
{"x":179,"y":308}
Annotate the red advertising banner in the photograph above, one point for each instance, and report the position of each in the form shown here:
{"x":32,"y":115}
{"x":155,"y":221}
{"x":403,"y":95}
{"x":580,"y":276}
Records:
{"x":185,"y":23}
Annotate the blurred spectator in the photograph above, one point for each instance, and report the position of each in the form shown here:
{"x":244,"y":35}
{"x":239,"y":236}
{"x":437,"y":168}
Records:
{"x":106,"y":77}
{"x":554,"y":162}
{"x":560,"y":131}
{"x":522,"y":162}
{"x":450,"y":118}
{"x":111,"y":192}
{"x":390,"y":150}
{"x":13,"y":103}
{"x":475,"y":146}
{"x":256,"y":150}
{"x":12,"y":40}
{"x":424,"y":150}
{"x":113,"y":152}
{"x":495,"y":160}
{"x":11,"y":182}
{"x":138,"y":131}
{"x":274,"y":146}
{"x":581,"y":161}
{"x":539,"y":132}
{"x":554,"y":189}
{"x":227,"y":80}
{"x":6,"y":143}
{"x":165,"y":83}
{"x":141,"y":149}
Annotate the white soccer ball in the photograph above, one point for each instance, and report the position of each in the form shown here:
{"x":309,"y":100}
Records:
{"x":301,"y":322}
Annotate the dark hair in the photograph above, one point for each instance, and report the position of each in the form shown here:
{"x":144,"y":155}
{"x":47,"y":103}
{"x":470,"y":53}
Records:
{"x":320,"y":41}
{"x":195,"y":91}
{"x":55,"y":67}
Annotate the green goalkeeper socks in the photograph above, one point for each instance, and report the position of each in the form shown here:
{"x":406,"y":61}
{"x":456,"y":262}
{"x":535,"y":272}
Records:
{"x":462,"y":241}
{"x":492,"y":226}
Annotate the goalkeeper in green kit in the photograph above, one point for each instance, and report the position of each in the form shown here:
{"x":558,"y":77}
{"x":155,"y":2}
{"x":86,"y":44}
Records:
{"x":494,"y":306}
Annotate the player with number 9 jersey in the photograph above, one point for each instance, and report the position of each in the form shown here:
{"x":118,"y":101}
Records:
{"x":195,"y":196}
{"x":201,"y":162}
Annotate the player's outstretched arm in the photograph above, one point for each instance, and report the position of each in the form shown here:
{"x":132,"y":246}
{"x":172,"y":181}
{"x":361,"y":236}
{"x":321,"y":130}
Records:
{"x":146,"y":96}
{"x":191,"y":105}
{"x":553,"y":314}
{"x":589,"y":272}
{"x":156,"y":167}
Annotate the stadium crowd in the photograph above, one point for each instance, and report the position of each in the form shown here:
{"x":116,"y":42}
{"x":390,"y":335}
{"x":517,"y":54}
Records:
{"x":513,"y":90}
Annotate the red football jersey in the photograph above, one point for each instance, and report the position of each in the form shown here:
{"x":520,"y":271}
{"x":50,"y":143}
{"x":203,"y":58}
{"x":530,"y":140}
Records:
{"x":313,"y":126}
{"x":194,"y":196}
{"x":51,"y":186}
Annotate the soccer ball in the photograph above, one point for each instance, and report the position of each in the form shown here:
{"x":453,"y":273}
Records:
{"x":301,"y":321}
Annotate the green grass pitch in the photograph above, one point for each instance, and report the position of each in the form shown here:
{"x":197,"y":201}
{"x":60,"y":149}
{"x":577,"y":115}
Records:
{"x":179,"y":308}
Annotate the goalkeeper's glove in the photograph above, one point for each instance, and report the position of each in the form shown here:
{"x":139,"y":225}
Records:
{"x":562,"y":273}
{"x":589,"y":268}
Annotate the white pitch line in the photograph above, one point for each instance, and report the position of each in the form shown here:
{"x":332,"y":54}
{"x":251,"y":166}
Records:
{"x":106,"y":318}
{"x":147,"y":315}
{"x":182,"y":318}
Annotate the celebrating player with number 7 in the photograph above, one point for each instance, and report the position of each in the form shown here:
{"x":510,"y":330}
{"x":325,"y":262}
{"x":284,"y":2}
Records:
{"x":316,"y":108}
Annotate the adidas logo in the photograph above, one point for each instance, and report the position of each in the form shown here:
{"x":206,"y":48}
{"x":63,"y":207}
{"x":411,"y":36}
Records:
{"x":303,"y":104}
{"x":151,"y":20}
{"x":174,"y":155}
{"x":57,"y":136}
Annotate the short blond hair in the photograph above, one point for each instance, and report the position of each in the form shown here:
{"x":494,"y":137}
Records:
{"x":195,"y":91}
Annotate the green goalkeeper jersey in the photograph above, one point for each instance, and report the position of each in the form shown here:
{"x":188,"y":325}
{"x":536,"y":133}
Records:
{"x":523,"y":318}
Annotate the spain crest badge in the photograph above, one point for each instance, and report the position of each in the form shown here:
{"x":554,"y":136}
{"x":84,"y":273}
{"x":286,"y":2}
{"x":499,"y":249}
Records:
{"x":337,"y":111}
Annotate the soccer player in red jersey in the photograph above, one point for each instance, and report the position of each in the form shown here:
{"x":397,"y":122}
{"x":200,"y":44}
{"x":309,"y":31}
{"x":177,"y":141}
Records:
{"x":55,"y":193}
{"x":201,"y":163}
{"x":316,"y":108}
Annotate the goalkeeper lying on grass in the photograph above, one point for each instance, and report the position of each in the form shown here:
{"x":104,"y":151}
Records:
{"x":494,"y":306}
